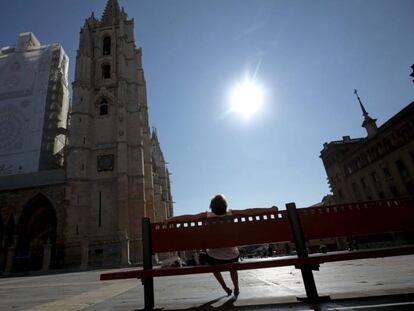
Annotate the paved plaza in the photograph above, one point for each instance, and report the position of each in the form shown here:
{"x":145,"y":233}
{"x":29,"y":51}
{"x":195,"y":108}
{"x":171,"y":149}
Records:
{"x":381,"y":284}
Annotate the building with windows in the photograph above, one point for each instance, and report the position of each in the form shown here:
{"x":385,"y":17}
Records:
{"x":75,"y":180}
{"x":34,"y":106}
{"x":378,"y":166}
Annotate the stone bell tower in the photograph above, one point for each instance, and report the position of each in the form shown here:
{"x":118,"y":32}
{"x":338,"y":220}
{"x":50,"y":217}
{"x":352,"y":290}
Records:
{"x":109,"y":168}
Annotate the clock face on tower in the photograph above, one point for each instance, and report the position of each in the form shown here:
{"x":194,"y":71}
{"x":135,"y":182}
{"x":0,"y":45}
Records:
{"x":105,"y":162}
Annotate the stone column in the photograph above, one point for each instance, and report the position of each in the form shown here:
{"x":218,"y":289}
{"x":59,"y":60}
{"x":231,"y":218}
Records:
{"x":125,"y":258}
{"x":9,"y":260}
{"x":47,"y":254}
{"x":84,"y":253}
{"x":10,"y":256}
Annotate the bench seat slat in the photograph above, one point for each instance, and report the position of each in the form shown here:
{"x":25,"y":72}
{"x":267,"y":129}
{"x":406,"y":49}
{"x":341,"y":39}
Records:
{"x":283,"y":261}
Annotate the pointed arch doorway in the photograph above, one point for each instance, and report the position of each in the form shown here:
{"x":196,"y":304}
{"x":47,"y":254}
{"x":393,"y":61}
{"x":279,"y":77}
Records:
{"x":37,"y":227}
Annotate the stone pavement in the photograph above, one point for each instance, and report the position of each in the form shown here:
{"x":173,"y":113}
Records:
{"x":382,"y":284}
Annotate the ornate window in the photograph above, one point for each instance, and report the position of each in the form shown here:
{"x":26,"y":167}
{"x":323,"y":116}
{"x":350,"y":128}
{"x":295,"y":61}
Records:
{"x":106,"y":46}
{"x":103,"y":107}
{"x":106,"y":71}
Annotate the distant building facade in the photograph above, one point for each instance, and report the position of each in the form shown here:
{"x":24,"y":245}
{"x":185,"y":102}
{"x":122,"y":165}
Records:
{"x":76,"y":181}
{"x":379,"y":166}
{"x":34,"y":106}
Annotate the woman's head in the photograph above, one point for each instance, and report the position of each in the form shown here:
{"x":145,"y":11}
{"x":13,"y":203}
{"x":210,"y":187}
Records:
{"x":218,"y":204}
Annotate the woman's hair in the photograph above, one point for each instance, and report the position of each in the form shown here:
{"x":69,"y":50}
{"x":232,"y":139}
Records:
{"x":218,"y":204}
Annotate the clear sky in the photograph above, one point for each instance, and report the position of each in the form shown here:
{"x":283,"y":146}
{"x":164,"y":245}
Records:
{"x":308,"y":56}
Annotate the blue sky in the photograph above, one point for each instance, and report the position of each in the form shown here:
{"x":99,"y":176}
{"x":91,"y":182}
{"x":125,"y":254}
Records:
{"x":307,"y":55}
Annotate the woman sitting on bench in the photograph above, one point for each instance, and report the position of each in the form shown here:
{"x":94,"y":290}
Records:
{"x":218,"y":207}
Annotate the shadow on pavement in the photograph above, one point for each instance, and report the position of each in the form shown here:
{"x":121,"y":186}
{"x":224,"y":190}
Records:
{"x":229,"y":304}
{"x":376,"y":303}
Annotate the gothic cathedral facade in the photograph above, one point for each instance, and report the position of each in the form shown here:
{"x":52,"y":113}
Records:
{"x":110,"y":165}
{"x":112,"y":172}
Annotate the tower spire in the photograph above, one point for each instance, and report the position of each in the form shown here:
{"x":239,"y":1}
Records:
{"x":111,"y":12}
{"x":154,"y":134}
{"x":369,"y":123}
{"x":364,"y":112}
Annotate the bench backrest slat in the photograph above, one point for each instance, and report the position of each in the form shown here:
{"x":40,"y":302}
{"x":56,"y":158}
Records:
{"x":357,"y":219}
{"x":221,"y":232}
{"x":318,"y":222}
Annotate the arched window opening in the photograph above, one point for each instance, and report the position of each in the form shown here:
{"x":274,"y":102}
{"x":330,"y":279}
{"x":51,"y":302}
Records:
{"x":106,"y":71}
{"x":106,"y":46}
{"x":103,"y":107}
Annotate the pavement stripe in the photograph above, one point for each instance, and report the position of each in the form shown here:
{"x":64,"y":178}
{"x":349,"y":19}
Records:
{"x":35,"y":285}
{"x":374,"y":306}
{"x":82,"y":301}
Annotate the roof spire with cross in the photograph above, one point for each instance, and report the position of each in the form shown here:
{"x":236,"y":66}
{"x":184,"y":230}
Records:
{"x":369,"y":123}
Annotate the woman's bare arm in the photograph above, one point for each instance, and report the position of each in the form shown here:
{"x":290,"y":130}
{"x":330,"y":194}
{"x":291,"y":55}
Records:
{"x":250,"y":211}
{"x":188,"y":218}
{"x":203,"y":215}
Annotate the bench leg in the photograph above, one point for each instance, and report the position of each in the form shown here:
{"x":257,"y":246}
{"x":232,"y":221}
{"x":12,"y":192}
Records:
{"x":300,"y":242}
{"x":149,"y":293}
{"x":309,"y":282}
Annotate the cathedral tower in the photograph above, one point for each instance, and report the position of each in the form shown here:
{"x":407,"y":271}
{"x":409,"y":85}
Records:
{"x":109,"y":169}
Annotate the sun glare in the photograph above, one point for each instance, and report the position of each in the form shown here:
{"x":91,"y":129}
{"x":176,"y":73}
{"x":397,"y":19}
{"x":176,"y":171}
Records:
{"x":246,"y":98}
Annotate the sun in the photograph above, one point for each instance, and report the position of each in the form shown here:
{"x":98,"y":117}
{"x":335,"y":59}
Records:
{"x":246,"y":98}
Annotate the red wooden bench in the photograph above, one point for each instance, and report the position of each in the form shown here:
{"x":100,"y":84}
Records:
{"x":272,"y":226}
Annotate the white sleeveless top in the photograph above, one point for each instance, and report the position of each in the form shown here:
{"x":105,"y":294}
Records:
{"x":225,"y":253}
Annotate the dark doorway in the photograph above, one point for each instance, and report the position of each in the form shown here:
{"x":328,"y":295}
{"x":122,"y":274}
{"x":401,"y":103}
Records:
{"x":37,"y":226}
